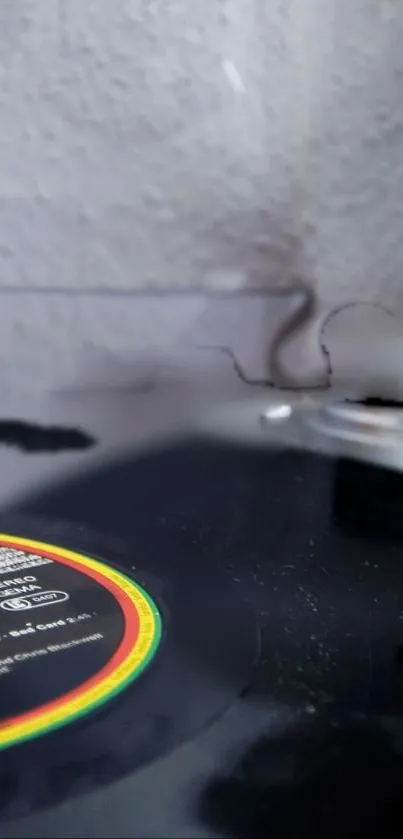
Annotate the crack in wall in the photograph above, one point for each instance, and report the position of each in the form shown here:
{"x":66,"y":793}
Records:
{"x":237,"y":366}
{"x":330,"y":317}
{"x":288,"y":329}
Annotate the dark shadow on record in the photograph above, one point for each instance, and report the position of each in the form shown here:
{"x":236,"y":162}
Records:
{"x":327,"y":781}
{"x":368,"y":501}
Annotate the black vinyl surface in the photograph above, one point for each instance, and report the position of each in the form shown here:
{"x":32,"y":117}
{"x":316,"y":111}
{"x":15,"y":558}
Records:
{"x":306,"y":550}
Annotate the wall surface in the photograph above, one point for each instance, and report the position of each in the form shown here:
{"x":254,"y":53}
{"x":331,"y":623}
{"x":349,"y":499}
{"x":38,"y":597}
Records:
{"x":224,"y":145}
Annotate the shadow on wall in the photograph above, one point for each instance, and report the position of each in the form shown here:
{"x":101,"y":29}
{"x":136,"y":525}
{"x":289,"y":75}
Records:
{"x":257,"y":251}
{"x":266,"y":252}
{"x":30,"y":437}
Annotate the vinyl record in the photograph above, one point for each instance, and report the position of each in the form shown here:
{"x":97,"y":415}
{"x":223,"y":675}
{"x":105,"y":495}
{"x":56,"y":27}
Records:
{"x":212,"y":545}
{"x":105,"y":664}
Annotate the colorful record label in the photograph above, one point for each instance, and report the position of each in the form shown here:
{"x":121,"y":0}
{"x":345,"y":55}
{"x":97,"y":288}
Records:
{"x":74,"y":632}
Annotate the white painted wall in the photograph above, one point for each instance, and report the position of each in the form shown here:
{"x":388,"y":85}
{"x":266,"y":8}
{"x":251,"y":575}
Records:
{"x":128,"y":159}
{"x":134,"y":156}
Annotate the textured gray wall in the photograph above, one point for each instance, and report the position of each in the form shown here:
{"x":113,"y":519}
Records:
{"x":223,"y":144}
{"x":131,"y":156}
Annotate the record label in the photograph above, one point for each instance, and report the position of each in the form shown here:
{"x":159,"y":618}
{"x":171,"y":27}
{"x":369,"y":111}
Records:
{"x":74,"y":632}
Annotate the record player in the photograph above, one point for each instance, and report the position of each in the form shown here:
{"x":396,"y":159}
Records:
{"x":202,"y":632}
